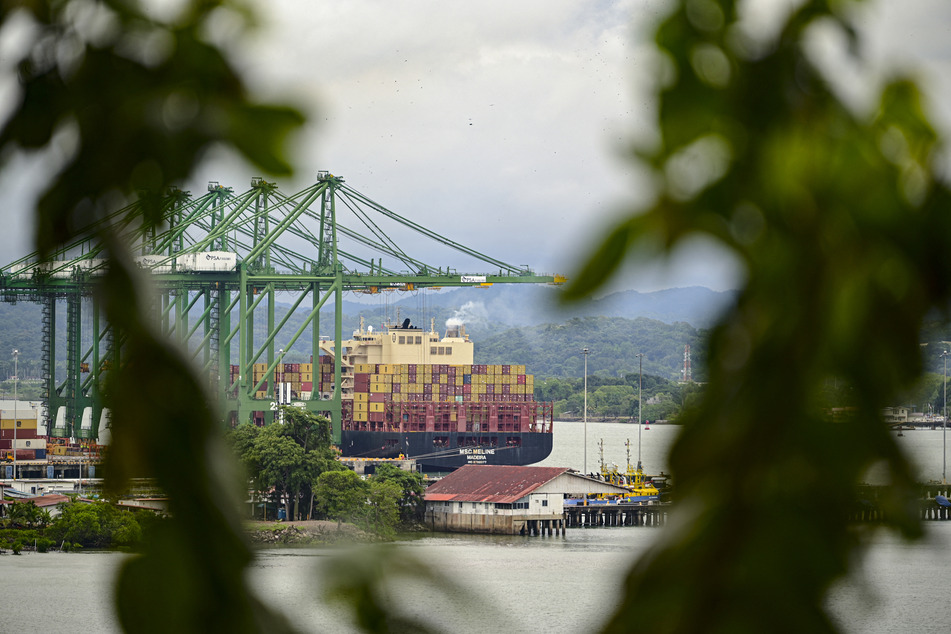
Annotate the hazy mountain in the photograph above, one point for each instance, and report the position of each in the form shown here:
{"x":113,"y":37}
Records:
{"x":487,"y":313}
{"x":529,"y":304}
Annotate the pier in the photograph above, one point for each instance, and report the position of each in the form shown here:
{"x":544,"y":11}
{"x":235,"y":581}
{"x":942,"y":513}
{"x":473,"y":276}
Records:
{"x":596,"y":515}
{"x":868,"y":506}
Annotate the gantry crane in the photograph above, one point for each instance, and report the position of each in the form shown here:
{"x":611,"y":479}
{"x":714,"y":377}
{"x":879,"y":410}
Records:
{"x":214,"y":261}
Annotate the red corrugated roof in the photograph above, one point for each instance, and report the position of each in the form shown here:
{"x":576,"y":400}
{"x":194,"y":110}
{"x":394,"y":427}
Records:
{"x":51,"y":499}
{"x":485,"y":483}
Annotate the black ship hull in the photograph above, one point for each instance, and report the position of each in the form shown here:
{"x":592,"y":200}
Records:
{"x":445,"y":451}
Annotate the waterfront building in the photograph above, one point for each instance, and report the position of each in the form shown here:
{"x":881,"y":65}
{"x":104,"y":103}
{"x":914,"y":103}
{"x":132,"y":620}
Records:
{"x":508,"y":500}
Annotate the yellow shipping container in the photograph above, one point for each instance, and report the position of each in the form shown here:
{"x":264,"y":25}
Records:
{"x":361,"y":397}
{"x":377,"y":407}
{"x":25,"y":423}
{"x":379,"y":388}
{"x":360,"y":406}
{"x":306,"y":367}
{"x":361,"y":416}
{"x":260,"y":395}
{"x":260,"y":367}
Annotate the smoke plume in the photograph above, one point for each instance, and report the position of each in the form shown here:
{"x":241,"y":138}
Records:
{"x":471,"y":313}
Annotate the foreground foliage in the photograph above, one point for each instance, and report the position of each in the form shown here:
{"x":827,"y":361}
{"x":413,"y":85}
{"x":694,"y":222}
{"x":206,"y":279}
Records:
{"x":838,"y":218}
{"x":843,"y":228}
{"x":115,"y":98}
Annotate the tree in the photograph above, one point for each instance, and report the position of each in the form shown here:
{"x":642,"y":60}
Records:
{"x":412,"y":490}
{"x":25,"y":514}
{"x":97,"y":525}
{"x":382,"y":510}
{"x":841,"y":222}
{"x":613,"y":400}
{"x":341,"y":495}
{"x":280,"y":463}
{"x":285,"y":460}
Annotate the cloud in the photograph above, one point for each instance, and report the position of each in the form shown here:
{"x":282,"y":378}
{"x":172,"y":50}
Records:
{"x":497,"y":124}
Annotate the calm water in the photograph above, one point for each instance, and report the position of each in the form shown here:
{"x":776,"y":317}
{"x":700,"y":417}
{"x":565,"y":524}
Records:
{"x":512,"y":584}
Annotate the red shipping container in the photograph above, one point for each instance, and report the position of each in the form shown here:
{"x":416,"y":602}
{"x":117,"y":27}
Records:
{"x":307,"y":386}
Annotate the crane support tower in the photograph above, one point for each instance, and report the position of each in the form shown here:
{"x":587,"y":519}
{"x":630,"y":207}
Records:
{"x":218,"y":263}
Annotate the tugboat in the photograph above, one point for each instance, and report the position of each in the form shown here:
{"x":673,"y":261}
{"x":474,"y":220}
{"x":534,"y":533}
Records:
{"x":640,"y":488}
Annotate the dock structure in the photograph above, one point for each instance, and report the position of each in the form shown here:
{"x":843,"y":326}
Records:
{"x":367,"y":466}
{"x":597,"y":515}
{"x":933,"y":503}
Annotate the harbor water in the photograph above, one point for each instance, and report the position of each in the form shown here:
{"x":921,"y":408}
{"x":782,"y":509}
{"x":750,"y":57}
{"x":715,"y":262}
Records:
{"x":513,"y":584}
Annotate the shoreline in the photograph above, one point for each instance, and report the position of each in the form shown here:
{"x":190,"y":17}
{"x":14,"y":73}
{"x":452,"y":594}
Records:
{"x":279,"y":532}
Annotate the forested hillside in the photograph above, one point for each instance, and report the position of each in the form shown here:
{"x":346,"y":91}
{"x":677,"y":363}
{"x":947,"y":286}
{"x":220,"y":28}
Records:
{"x":556,"y":350}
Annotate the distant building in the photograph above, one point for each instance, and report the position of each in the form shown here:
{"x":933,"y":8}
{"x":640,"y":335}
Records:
{"x":506,"y":499}
{"x":908,"y":416}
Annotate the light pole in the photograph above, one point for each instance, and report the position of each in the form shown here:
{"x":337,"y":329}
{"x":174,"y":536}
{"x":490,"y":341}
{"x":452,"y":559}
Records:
{"x":279,"y":392}
{"x":944,"y":424}
{"x":640,"y":374}
{"x":585,"y":410}
{"x":16,"y":367}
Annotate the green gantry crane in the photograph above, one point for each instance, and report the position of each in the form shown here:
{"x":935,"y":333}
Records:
{"x":214,"y":260}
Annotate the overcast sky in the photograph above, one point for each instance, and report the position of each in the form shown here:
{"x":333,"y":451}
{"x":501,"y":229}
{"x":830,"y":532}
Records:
{"x":498,"y":124}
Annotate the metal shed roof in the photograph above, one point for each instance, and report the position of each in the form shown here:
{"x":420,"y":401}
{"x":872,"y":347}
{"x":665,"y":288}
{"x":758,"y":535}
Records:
{"x":491,"y":483}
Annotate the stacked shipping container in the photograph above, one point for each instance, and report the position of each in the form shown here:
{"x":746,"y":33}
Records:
{"x":439,"y":397}
{"x":300,"y":376}
{"x":418,"y":397}
{"x":19,"y":432}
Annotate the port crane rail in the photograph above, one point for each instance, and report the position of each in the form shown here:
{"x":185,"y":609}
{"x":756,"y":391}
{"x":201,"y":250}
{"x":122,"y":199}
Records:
{"x":214,"y":260}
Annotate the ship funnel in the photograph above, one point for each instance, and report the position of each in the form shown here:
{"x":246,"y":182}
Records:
{"x":456,"y":330}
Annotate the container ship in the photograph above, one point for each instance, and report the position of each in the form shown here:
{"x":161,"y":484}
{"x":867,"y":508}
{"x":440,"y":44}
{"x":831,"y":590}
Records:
{"x":415,"y":394}
{"x":411,"y":393}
